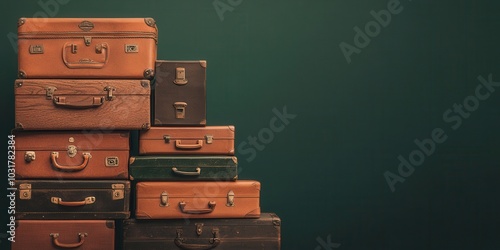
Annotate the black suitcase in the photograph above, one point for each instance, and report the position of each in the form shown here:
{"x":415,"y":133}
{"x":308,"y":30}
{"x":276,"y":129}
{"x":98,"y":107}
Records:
{"x":60,"y":200}
{"x":216,"y":168}
{"x":261,"y":233}
{"x":180,"y":93}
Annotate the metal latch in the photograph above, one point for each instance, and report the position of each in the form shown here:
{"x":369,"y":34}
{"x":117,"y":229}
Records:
{"x":36,"y":49}
{"x":118,"y":191}
{"x":166,"y":138}
{"x":88,"y":40}
{"x":72,"y":151}
{"x":180,"y":110}
{"x":50,"y":92}
{"x":199,"y":228}
{"x":112,"y":161}
{"x":230,"y":199}
{"x":164,"y":199}
{"x":25,"y":191}
{"x":110,"y":90}
{"x":74,"y":48}
{"x":209,"y":139}
{"x":180,"y":76}
{"x":29,"y":156}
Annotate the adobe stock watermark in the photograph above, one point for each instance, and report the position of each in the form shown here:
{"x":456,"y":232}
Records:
{"x":372,"y":29}
{"x":326,"y":245}
{"x":453,"y":116}
{"x":50,"y":8}
{"x":223,"y":6}
{"x":266,"y":135}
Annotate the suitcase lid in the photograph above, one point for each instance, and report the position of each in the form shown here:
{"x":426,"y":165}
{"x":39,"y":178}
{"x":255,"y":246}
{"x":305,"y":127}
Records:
{"x":55,"y":185}
{"x":81,"y":140}
{"x":210,"y":189}
{"x":83,"y":26}
{"x":51,"y":88}
{"x":189,"y":133}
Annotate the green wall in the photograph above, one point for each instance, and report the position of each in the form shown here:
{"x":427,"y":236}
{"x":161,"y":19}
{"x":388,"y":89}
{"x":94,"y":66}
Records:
{"x":324,"y":173}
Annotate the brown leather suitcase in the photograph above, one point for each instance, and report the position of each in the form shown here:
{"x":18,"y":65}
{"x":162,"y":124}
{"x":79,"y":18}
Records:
{"x":70,"y":200}
{"x":210,"y":140}
{"x":178,"y":200}
{"x":65,"y":234}
{"x":98,"y":48}
{"x":180,"y":93}
{"x":66,"y":104}
{"x":229,"y":234}
{"x":72,"y":155}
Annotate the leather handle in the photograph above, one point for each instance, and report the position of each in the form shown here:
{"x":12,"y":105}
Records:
{"x":62,"y":101}
{"x":179,"y":145}
{"x":213,"y":244}
{"x":56,"y":242}
{"x":59,"y":201}
{"x":197,"y":173}
{"x":85,"y":63}
{"x":211,"y":208}
{"x":55,"y":155}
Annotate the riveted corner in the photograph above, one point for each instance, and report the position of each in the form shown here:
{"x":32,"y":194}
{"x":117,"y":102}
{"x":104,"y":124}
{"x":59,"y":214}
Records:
{"x":21,"y":21}
{"x":150,"y":22}
{"x":22,"y":74}
{"x":146,"y":126}
{"x":203,"y":63}
{"x":145,"y":83}
{"x":110,"y":224}
{"x":148,"y":74}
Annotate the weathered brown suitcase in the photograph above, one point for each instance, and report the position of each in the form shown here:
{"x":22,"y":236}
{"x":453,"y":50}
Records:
{"x":65,"y":200}
{"x":203,"y":168}
{"x":65,"y":104}
{"x":176,"y":200}
{"x":72,"y":155}
{"x":230,"y":234}
{"x":210,"y":140}
{"x":98,"y":48}
{"x":65,"y":234}
{"x":179,"y":93}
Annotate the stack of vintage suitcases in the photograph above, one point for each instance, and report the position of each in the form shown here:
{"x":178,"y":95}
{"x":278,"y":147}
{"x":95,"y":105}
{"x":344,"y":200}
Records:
{"x":84,"y":86}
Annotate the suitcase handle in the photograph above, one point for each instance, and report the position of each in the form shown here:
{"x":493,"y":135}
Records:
{"x":179,"y":145}
{"x":211,"y":208}
{"x":213,"y":244}
{"x":56,"y":242}
{"x":176,"y":171}
{"x":55,"y":155}
{"x":59,"y":201}
{"x":85,"y":63}
{"x":61,"y":101}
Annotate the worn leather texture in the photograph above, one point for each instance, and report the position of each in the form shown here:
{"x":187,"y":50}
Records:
{"x":64,"y":234}
{"x":123,"y":48}
{"x":229,"y":234}
{"x":180,"y":93}
{"x":75,"y":199}
{"x":207,"y":199}
{"x":187,"y":140}
{"x":72,"y":155}
{"x":67,"y":104}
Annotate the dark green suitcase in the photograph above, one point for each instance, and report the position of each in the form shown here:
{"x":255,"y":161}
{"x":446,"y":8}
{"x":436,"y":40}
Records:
{"x":218,"y":168}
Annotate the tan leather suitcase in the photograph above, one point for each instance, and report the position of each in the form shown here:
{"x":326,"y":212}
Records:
{"x":180,"y":93}
{"x":98,"y":48}
{"x":64,"y":234}
{"x":72,"y":155}
{"x":66,"y":104}
{"x":210,"y":140}
{"x":177,"y":200}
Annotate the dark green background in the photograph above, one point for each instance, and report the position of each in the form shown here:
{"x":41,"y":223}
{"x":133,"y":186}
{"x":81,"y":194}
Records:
{"x":323,"y":174}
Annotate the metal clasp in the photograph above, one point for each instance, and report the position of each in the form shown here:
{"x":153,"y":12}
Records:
{"x":29,"y":156}
{"x":164,"y":199}
{"x":230,"y":199}
{"x":209,"y":139}
{"x":88,"y":40}
{"x":110,"y":90}
{"x":72,"y":151}
{"x":49,"y":92}
{"x":112,"y":161}
{"x":25,"y":191}
{"x":199,"y":228}
{"x":180,"y":110}
{"x":118,"y":191}
{"x":166,"y":138}
{"x":180,"y":76}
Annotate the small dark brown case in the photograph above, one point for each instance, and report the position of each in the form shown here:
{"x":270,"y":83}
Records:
{"x":180,"y":93}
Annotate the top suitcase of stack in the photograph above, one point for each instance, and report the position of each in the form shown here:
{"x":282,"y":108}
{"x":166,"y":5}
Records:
{"x":99,"y":48}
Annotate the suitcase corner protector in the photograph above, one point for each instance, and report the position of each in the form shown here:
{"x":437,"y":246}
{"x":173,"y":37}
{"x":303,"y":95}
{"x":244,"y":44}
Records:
{"x":203,"y":63}
{"x":110,"y":224}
